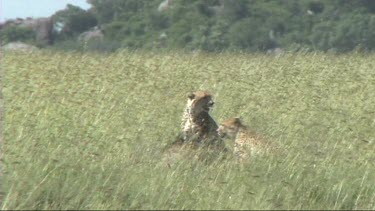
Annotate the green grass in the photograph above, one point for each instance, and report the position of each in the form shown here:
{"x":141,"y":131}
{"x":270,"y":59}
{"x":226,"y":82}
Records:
{"x":86,"y":131}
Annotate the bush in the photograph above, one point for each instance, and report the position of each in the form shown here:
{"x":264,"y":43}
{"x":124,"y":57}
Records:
{"x":215,"y":25}
{"x":102,"y":45}
{"x":74,"y":21}
{"x":247,"y":35}
{"x":17,"y":33}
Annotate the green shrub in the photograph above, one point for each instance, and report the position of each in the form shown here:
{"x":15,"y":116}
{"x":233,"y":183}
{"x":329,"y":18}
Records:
{"x":17,"y":33}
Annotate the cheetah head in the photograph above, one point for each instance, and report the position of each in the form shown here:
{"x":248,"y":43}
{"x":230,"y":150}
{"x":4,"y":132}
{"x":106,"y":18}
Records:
{"x":199,"y":101}
{"x":229,"y":128}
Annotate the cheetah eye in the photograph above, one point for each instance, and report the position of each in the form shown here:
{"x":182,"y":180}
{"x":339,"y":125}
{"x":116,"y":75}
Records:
{"x":191,"y":96}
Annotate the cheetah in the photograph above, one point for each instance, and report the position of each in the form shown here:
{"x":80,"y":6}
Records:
{"x":199,"y":129}
{"x":197,"y":124}
{"x":246,"y":141}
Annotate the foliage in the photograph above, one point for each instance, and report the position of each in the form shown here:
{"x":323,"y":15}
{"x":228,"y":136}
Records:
{"x":74,"y":21}
{"x":17,"y":33}
{"x":86,"y":131}
{"x":255,"y":25}
{"x":96,"y":45}
{"x":217,"y":25}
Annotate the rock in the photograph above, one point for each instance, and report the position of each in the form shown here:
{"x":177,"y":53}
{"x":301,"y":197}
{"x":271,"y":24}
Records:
{"x":94,"y":33}
{"x":42,"y":27}
{"x":166,"y":4}
{"x":19,"y":46}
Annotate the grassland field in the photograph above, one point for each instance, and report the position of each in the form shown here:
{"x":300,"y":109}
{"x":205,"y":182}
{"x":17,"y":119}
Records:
{"x":86,"y":131}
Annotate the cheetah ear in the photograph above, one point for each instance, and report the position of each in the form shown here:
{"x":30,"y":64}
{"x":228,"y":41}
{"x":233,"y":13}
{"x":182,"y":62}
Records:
{"x":191,"y":95}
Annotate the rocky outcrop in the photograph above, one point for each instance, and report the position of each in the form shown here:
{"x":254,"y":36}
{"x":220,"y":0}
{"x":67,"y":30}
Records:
{"x":166,"y":4}
{"x":43,"y":27}
{"x":19,"y":46}
{"x":93,"y":34}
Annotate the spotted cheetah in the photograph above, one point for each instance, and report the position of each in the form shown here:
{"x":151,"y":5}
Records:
{"x":198,"y":128}
{"x":246,"y":141}
{"x":197,"y":124}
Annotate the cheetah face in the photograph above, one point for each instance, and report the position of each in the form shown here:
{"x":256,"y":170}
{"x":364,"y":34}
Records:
{"x":227,"y":131}
{"x":229,"y":128}
{"x":199,"y":102}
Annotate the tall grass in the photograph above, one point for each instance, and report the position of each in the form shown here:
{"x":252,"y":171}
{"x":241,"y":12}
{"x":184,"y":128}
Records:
{"x":86,"y":131}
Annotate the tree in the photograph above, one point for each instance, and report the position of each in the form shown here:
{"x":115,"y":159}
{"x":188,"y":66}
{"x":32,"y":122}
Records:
{"x":253,"y":25}
{"x":74,"y":20}
{"x":17,"y":33}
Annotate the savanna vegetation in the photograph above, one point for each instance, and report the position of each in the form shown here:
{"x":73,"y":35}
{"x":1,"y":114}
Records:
{"x":87,"y":131}
{"x":249,"y":25}
{"x":216,"y":25}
